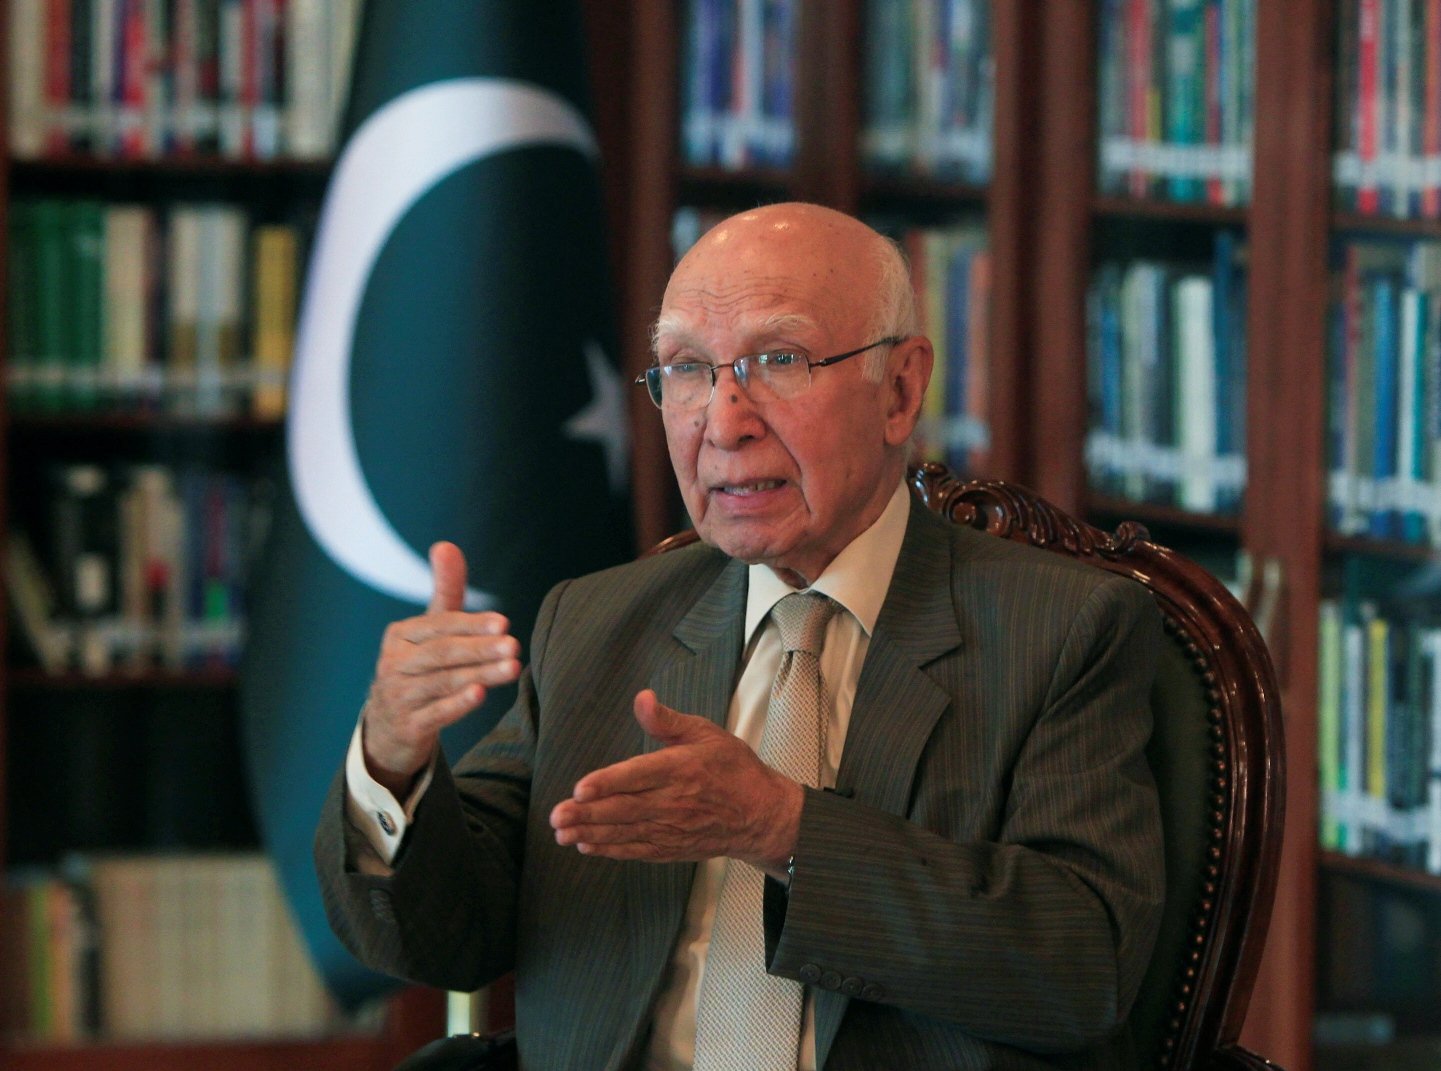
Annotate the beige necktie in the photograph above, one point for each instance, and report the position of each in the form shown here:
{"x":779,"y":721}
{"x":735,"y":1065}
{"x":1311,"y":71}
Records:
{"x":748,"y":1020}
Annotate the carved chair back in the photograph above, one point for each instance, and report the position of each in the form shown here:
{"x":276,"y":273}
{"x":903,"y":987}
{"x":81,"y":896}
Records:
{"x":1217,"y":754}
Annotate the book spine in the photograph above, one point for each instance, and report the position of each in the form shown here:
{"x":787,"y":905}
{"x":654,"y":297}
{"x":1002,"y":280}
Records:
{"x":28,"y":44}
{"x":1368,"y":104}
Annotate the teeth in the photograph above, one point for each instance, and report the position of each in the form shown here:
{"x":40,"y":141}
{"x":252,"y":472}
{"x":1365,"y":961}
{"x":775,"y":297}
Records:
{"x":752,"y":488}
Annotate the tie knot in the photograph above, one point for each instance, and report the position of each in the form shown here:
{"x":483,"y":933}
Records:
{"x":802,"y":619}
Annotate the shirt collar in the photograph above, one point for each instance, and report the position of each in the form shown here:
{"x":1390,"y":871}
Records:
{"x":858,"y":578}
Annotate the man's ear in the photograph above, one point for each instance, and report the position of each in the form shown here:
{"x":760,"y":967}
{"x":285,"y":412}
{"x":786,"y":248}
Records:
{"x":907,"y":372}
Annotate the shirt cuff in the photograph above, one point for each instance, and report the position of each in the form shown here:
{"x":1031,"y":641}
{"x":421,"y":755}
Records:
{"x":372,"y":808}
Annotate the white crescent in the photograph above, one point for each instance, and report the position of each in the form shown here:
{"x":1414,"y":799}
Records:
{"x":395,"y":156}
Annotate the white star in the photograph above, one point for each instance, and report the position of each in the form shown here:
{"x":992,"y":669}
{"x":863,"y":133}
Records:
{"x":604,"y":419}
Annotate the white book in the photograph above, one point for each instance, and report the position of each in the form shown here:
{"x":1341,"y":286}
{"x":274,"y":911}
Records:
{"x":27,"y":78}
{"x":220,"y":299}
{"x":1401,"y":108}
{"x":308,"y":106}
{"x":105,"y":76}
{"x":1196,"y":397}
{"x":234,"y":112}
{"x":183,"y":256}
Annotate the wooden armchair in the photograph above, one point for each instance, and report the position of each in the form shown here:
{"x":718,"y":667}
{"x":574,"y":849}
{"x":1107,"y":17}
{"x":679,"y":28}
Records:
{"x":1217,"y":755}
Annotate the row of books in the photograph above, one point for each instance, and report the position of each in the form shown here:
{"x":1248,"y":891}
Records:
{"x":1384,"y":416}
{"x":738,"y":83}
{"x":1379,"y":732}
{"x":135,"y":569}
{"x":156,"y":947}
{"x":951,"y":273}
{"x":136,"y":79}
{"x":929,"y":88}
{"x":1166,"y":355}
{"x":186,"y":308}
{"x":1388,"y":108}
{"x":1177,"y":85}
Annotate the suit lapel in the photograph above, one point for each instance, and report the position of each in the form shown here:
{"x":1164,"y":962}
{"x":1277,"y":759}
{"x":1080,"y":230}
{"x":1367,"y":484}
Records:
{"x":897,"y":704}
{"x":697,"y":678}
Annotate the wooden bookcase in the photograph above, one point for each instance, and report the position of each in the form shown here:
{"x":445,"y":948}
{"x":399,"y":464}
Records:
{"x":413,"y":1016}
{"x":1043,"y":212}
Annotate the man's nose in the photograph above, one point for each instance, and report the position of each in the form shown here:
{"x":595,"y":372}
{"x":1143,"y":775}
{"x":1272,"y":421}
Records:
{"x":731,"y":415}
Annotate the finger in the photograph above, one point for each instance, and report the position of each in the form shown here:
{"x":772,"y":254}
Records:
{"x":626,"y":808}
{"x":666,"y":725}
{"x":412,"y":692}
{"x":448,"y":568}
{"x":451,"y":623}
{"x":454,"y":653}
{"x":639,"y":774}
{"x":448,"y":708}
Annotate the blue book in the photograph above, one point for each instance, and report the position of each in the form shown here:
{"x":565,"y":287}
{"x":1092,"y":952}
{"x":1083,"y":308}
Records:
{"x":958,"y":289}
{"x":1185,"y":90}
{"x":1229,"y":325}
{"x":778,"y":135}
{"x":1384,"y":290}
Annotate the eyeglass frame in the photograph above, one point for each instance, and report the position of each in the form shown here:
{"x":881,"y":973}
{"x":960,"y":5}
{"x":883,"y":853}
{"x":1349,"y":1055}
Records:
{"x":743,"y":364}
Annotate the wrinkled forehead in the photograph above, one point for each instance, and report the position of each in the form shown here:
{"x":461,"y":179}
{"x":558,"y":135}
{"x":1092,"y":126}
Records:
{"x":758,"y":294}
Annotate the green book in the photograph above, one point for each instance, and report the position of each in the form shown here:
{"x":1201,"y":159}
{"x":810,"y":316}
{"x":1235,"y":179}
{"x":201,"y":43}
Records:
{"x":1328,"y":726}
{"x":53,"y":317}
{"x":86,"y":233}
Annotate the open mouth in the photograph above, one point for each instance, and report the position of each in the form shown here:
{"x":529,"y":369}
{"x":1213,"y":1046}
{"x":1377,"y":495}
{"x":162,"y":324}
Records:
{"x":755,"y":487}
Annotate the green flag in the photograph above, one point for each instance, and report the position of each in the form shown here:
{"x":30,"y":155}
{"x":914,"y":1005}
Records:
{"x":455,"y":378}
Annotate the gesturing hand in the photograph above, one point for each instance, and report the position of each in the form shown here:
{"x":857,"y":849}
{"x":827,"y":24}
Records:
{"x":703,"y":794}
{"x":433,"y":669}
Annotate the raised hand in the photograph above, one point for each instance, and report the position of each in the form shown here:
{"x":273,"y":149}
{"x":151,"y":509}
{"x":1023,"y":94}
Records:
{"x":703,"y":794}
{"x":433,"y":670}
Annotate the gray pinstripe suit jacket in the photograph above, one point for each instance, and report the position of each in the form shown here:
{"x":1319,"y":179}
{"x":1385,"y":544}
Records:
{"x":981,"y":891}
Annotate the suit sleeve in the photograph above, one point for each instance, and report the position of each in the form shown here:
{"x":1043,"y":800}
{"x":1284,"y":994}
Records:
{"x":1038,"y":937}
{"x":445,"y":916}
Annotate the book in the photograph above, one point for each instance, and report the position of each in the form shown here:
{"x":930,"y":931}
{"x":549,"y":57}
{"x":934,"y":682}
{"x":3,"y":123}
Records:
{"x":276,"y":270}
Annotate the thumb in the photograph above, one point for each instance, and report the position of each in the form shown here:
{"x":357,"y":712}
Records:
{"x":447,"y":563}
{"x":662,"y":723}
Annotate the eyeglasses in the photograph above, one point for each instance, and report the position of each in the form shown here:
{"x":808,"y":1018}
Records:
{"x":766,"y":377}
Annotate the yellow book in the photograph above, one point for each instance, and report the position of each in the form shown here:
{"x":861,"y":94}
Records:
{"x":273,"y":325}
{"x":1378,"y":666}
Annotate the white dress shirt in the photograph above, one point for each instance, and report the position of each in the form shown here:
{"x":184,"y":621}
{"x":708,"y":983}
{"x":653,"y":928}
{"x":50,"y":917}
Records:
{"x":858,"y":579}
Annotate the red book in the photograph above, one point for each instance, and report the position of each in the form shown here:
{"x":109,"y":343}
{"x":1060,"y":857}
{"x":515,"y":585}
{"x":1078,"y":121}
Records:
{"x":249,"y":74}
{"x":57,"y":77}
{"x":1138,"y":91}
{"x":133,"y":70}
{"x":1368,"y":197}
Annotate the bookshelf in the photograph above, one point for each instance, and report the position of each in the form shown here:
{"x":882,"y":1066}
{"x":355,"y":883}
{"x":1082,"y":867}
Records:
{"x":1051,"y":219}
{"x":1282,"y":526}
{"x":120,"y":751}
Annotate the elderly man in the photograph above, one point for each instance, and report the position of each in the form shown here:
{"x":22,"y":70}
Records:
{"x":843,"y":786}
